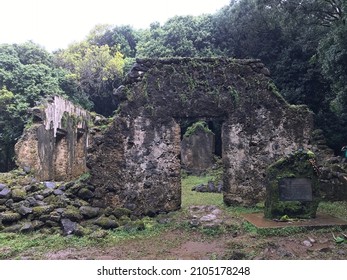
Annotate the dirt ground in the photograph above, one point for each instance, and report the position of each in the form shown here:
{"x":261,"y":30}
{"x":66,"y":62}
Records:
{"x":178,"y":245}
{"x":235,"y":242}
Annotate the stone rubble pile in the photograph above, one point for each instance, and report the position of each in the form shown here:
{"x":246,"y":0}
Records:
{"x":53,"y":207}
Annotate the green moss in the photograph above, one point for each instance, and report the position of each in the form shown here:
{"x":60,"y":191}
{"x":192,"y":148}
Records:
{"x":9,"y":217}
{"x":272,"y":87}
{"x":120,"y":212}
{"x":18,"y":194}
{"x":297,"y":165}
{"x":41,"y":210}
{"x":72,"y":213}
{"x":200,"y":125}
{"x":107,"y":222}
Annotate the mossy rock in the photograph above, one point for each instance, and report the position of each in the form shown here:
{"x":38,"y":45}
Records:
{"x":89,"y":211}
{"x":106,"y":222}
{"x":120,"y":212}
{"x":18,"y":194}
{"x":124,"y":220}
{"x":85,"y":193}
{"x":9,"y":217}
{"x":72,"y":213}
{"x":98,"y":234}
{"x":81,"y":231}
{"x":42,"y":210}
{"x":13,"y":228}
{"x":135,"y":226}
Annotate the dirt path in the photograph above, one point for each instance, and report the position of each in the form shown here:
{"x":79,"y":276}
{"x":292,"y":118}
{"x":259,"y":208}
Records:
{"x":183,"y":245}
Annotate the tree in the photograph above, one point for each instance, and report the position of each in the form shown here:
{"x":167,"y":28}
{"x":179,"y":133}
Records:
{"x":97,"y":71}
{"x":27,"y":75}
{"x":182,"y":36}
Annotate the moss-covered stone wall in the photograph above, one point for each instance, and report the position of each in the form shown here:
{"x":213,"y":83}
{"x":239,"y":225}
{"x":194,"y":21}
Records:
{"x":258,"y":128}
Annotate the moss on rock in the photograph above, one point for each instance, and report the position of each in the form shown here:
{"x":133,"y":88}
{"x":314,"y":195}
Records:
{"x":18,"y":194}
{"x":9,"y":217}
{"x":107,"y":222}
{"x":299,"y":165}
{"x":72,"y":213}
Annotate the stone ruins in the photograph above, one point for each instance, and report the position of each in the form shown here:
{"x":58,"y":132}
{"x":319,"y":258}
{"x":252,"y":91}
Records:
{"x":133,"y":162}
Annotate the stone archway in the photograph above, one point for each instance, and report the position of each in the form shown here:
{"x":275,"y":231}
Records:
{"x":135,"y":163}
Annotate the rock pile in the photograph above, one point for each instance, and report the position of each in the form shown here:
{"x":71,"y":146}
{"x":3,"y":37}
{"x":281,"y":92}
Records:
{"x":53,"y":207}
{"x":210,"y":187}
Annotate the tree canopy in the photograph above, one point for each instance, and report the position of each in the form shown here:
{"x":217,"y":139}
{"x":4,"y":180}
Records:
{"x":302,"y":42}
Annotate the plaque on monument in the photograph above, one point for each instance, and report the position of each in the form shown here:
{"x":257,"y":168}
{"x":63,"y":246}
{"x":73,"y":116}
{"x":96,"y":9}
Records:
{"x":295,"y":189}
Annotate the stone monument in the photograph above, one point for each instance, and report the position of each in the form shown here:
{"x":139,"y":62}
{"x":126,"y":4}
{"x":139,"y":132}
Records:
{"x":292,"y":188}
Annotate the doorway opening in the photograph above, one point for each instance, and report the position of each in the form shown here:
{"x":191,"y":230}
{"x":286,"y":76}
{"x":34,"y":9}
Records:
{"x":201,"y":162}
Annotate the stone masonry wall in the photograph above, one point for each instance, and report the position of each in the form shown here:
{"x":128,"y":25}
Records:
{"x":55,"y":146}
{"x":135,"y":163}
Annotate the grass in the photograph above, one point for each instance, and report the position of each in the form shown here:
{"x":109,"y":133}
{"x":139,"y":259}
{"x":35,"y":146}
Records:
{"x":12,"y":245}
{"x":190,"y":197}
{"x":35,"y":245}
{"x":336,"y":209}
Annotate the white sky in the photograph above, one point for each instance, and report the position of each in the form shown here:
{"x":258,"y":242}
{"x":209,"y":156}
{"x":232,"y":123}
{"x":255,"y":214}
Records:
{"x":56,"y":23}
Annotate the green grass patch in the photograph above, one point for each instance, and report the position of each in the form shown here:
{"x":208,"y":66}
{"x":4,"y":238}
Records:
{"x":336,"y":209}
{"x":190,"y":197}
{"x":12,"y":245}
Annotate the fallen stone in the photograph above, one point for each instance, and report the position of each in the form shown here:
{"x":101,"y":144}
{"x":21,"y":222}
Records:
{"x":194,"y":223}
{"x":58,"y":192}
{"x":311,"y":240}
{"x":26,"y":227}
{"x":72,"y":213}
{"x":106,"y":223}
{"x":32,"y":201}
{"x":47,"y":192}
{"x":49,"y":185}
{"x":2,"y":186}
{"x":325,"y":250}
{"x":14,"y":228}
{"x":307,"y":243}
{"x":134,"y":226}
{"x":39,"y":197}
{"x":85,"y":193}
{"x":9,"y":217}
{"x":68,"y":226}
{"x":211,"y":187}
{"x":18,"y":194}
{"x":208,"y":218}
{"x":89,"y":212}
{"x":23,"y":210}
{"x":5,"y":192}
{"x":98,"y":234}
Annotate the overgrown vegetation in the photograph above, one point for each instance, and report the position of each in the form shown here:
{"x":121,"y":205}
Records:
{"x":37,"y":245}
{"x":303,"y":43}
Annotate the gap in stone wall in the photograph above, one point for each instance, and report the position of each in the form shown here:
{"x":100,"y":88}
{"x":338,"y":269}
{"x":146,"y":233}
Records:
{"x":201,"y":155}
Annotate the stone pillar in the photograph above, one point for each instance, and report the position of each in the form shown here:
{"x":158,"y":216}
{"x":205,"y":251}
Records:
{"x":197,"y":149}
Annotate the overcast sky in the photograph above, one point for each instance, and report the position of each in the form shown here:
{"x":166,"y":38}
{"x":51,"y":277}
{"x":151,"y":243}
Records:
{"x":56,"y":23}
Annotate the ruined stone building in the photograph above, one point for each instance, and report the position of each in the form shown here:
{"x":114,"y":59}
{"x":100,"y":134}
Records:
{"x":135,"y":161}
{"x":54,"y":147}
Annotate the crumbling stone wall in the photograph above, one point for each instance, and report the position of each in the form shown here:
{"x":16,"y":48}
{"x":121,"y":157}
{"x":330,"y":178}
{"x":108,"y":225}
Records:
{"x":136,"y":164}
{"x":54,"y":147}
